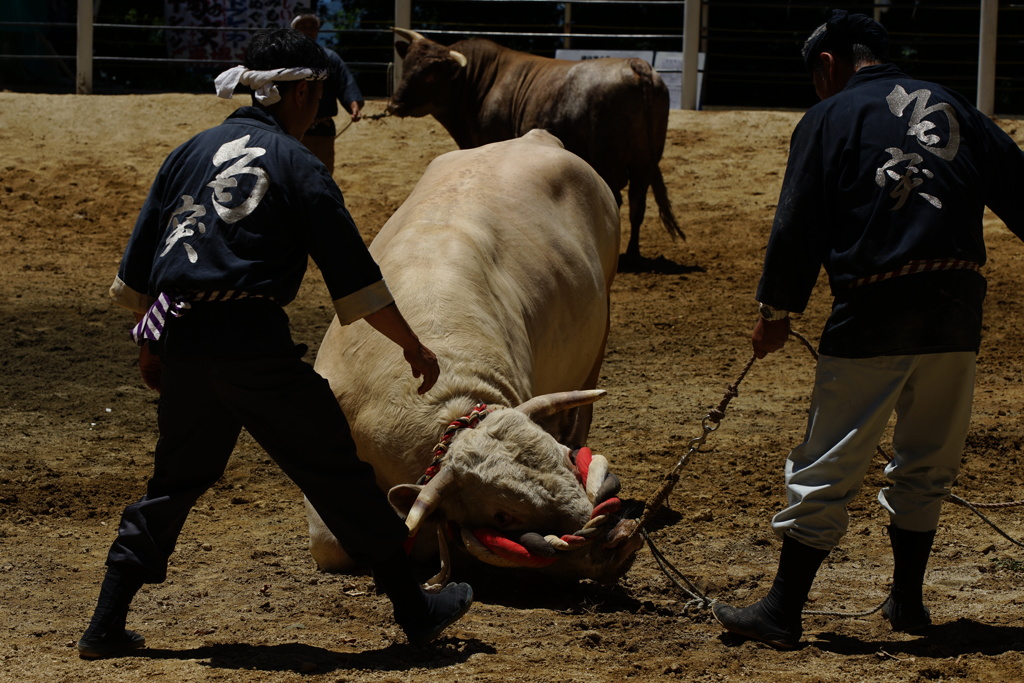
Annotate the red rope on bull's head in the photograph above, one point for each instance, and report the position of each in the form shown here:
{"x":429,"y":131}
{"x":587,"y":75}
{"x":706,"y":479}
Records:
{"x":479,"y":412}
{"x":582,"y":458}
{"x":500,"y":545}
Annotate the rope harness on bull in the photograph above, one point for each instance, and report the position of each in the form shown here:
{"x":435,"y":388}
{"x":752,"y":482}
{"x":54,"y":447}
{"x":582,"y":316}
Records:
{"x":709,"y":424}
{"x":531,"y":549}
{"x":479,"y":412}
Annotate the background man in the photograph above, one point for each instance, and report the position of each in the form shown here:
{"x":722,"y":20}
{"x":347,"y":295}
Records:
{"x":886,"y":185}
{"x":340,"y":86}
{"x":220,"y":246}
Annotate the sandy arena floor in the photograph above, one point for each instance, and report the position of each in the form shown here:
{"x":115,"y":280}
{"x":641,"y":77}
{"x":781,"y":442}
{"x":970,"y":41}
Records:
{"x":244,"y":601}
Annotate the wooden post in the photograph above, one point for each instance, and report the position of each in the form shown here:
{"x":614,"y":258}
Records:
{"x":987,"y":37}
{"x":691,"y":50}
{"x":567,"y":25}
{"x":403,"y":19}
{"x":83,"y":77}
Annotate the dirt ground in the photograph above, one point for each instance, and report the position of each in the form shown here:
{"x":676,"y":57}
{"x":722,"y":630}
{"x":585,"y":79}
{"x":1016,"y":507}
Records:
{"x":244,"y":601}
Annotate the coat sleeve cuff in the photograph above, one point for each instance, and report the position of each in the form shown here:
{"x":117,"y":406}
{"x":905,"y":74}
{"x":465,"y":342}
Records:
{"x":362,"y":303}
{"x":126,"y":297}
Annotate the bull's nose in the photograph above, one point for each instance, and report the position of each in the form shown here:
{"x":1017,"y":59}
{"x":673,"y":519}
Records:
{"x":621,"y":532}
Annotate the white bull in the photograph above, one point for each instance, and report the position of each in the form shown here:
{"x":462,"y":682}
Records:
{"x":501,"y":259}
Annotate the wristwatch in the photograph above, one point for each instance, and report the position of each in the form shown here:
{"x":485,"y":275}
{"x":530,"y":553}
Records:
{"x":771,"y":314}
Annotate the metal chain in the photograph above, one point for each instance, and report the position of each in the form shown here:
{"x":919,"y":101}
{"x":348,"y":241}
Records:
{"x":710,"y":423}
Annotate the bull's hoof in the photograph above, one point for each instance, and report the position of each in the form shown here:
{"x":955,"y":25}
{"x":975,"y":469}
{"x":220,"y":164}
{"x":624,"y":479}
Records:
{"x":109,"y":645}
{"x":631,"y":262}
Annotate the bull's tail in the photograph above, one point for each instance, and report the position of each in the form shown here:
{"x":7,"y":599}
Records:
{"x":668,"y":219}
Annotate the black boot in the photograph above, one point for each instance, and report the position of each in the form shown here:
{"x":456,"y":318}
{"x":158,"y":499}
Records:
{"x":775,"y":619}
{"x":106,"y":635}
{"x":904,"y":607}
{"x":421,"y":615}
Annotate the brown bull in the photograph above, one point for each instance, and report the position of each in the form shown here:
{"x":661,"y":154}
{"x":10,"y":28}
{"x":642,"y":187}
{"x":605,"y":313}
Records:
{"x":611,"y":112}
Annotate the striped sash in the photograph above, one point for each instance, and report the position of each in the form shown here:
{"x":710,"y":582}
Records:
{"x":922,"y":266}
{"x":151,"y":325}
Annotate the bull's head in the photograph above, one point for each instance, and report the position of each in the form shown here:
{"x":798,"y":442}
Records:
{"x":428,"y":70}
{"x":514,"y":496}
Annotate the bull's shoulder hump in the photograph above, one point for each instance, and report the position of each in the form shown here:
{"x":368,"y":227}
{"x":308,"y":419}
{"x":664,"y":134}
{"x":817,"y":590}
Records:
{"x":539,"y":136}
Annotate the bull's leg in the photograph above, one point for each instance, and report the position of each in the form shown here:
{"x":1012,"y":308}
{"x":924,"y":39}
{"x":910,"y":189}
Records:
{"x":637,"y":209}
{"x":584,"y":415}
{"x":323,"y":546}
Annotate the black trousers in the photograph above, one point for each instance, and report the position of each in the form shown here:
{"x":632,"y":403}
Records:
{"x":291,"y":412}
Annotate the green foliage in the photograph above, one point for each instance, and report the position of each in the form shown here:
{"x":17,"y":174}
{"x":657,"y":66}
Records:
{"x":343,"y":15}
{"x":1009,"y":564}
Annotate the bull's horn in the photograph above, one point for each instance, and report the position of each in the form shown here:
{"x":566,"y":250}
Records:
{"x":549,"y":404}
{"x":430,"y":497}
{"x":596,"y":476}
{"x":440,"y":580}
{"x":408,"y":34}
{"x":458,"y":57}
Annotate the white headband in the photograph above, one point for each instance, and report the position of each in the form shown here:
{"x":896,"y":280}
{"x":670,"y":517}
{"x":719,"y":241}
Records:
{"x":262,"y":82}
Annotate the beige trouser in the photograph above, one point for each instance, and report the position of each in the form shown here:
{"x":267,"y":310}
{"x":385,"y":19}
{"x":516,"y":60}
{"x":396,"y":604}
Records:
{"x":853,"y":399}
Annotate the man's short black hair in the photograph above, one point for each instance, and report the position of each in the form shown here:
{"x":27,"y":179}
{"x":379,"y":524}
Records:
{"x":284,"y":48}
{"x":855,"y":38}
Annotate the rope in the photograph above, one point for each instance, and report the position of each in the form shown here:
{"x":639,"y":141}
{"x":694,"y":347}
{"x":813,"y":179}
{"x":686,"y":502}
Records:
{"x":338,"y":134}
{"x":372,"y":117}
{"x":479,"y":412}
{"x":710,"y":423}
{"x":973,"y":507}
{"x":848,"y":615}
{"x":698,"y":600}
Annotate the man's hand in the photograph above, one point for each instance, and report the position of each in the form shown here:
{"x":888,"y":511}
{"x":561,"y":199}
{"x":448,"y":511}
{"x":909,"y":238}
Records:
{"x":423,"y":362}
{"x":356,"y":111}
{"x":151,"y":367}
{"x":390,"y":322}
{"x":769,"y":336}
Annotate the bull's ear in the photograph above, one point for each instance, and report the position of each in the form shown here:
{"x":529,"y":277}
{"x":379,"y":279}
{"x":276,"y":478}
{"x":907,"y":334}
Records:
{"x":401,"y":47}
{"x":403,"y":496}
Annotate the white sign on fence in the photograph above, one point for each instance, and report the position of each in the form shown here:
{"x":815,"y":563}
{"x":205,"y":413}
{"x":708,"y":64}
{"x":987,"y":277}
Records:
{"x":670,"y":66}
{"x":577,"y":55}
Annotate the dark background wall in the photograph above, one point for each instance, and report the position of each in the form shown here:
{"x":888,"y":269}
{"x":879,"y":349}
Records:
{"x":752,"y":46}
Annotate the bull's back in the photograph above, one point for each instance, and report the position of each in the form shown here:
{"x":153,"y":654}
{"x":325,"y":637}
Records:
{"x":611,"y":112}
{"x":520,"y":229}
{"x":501,"y":259}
